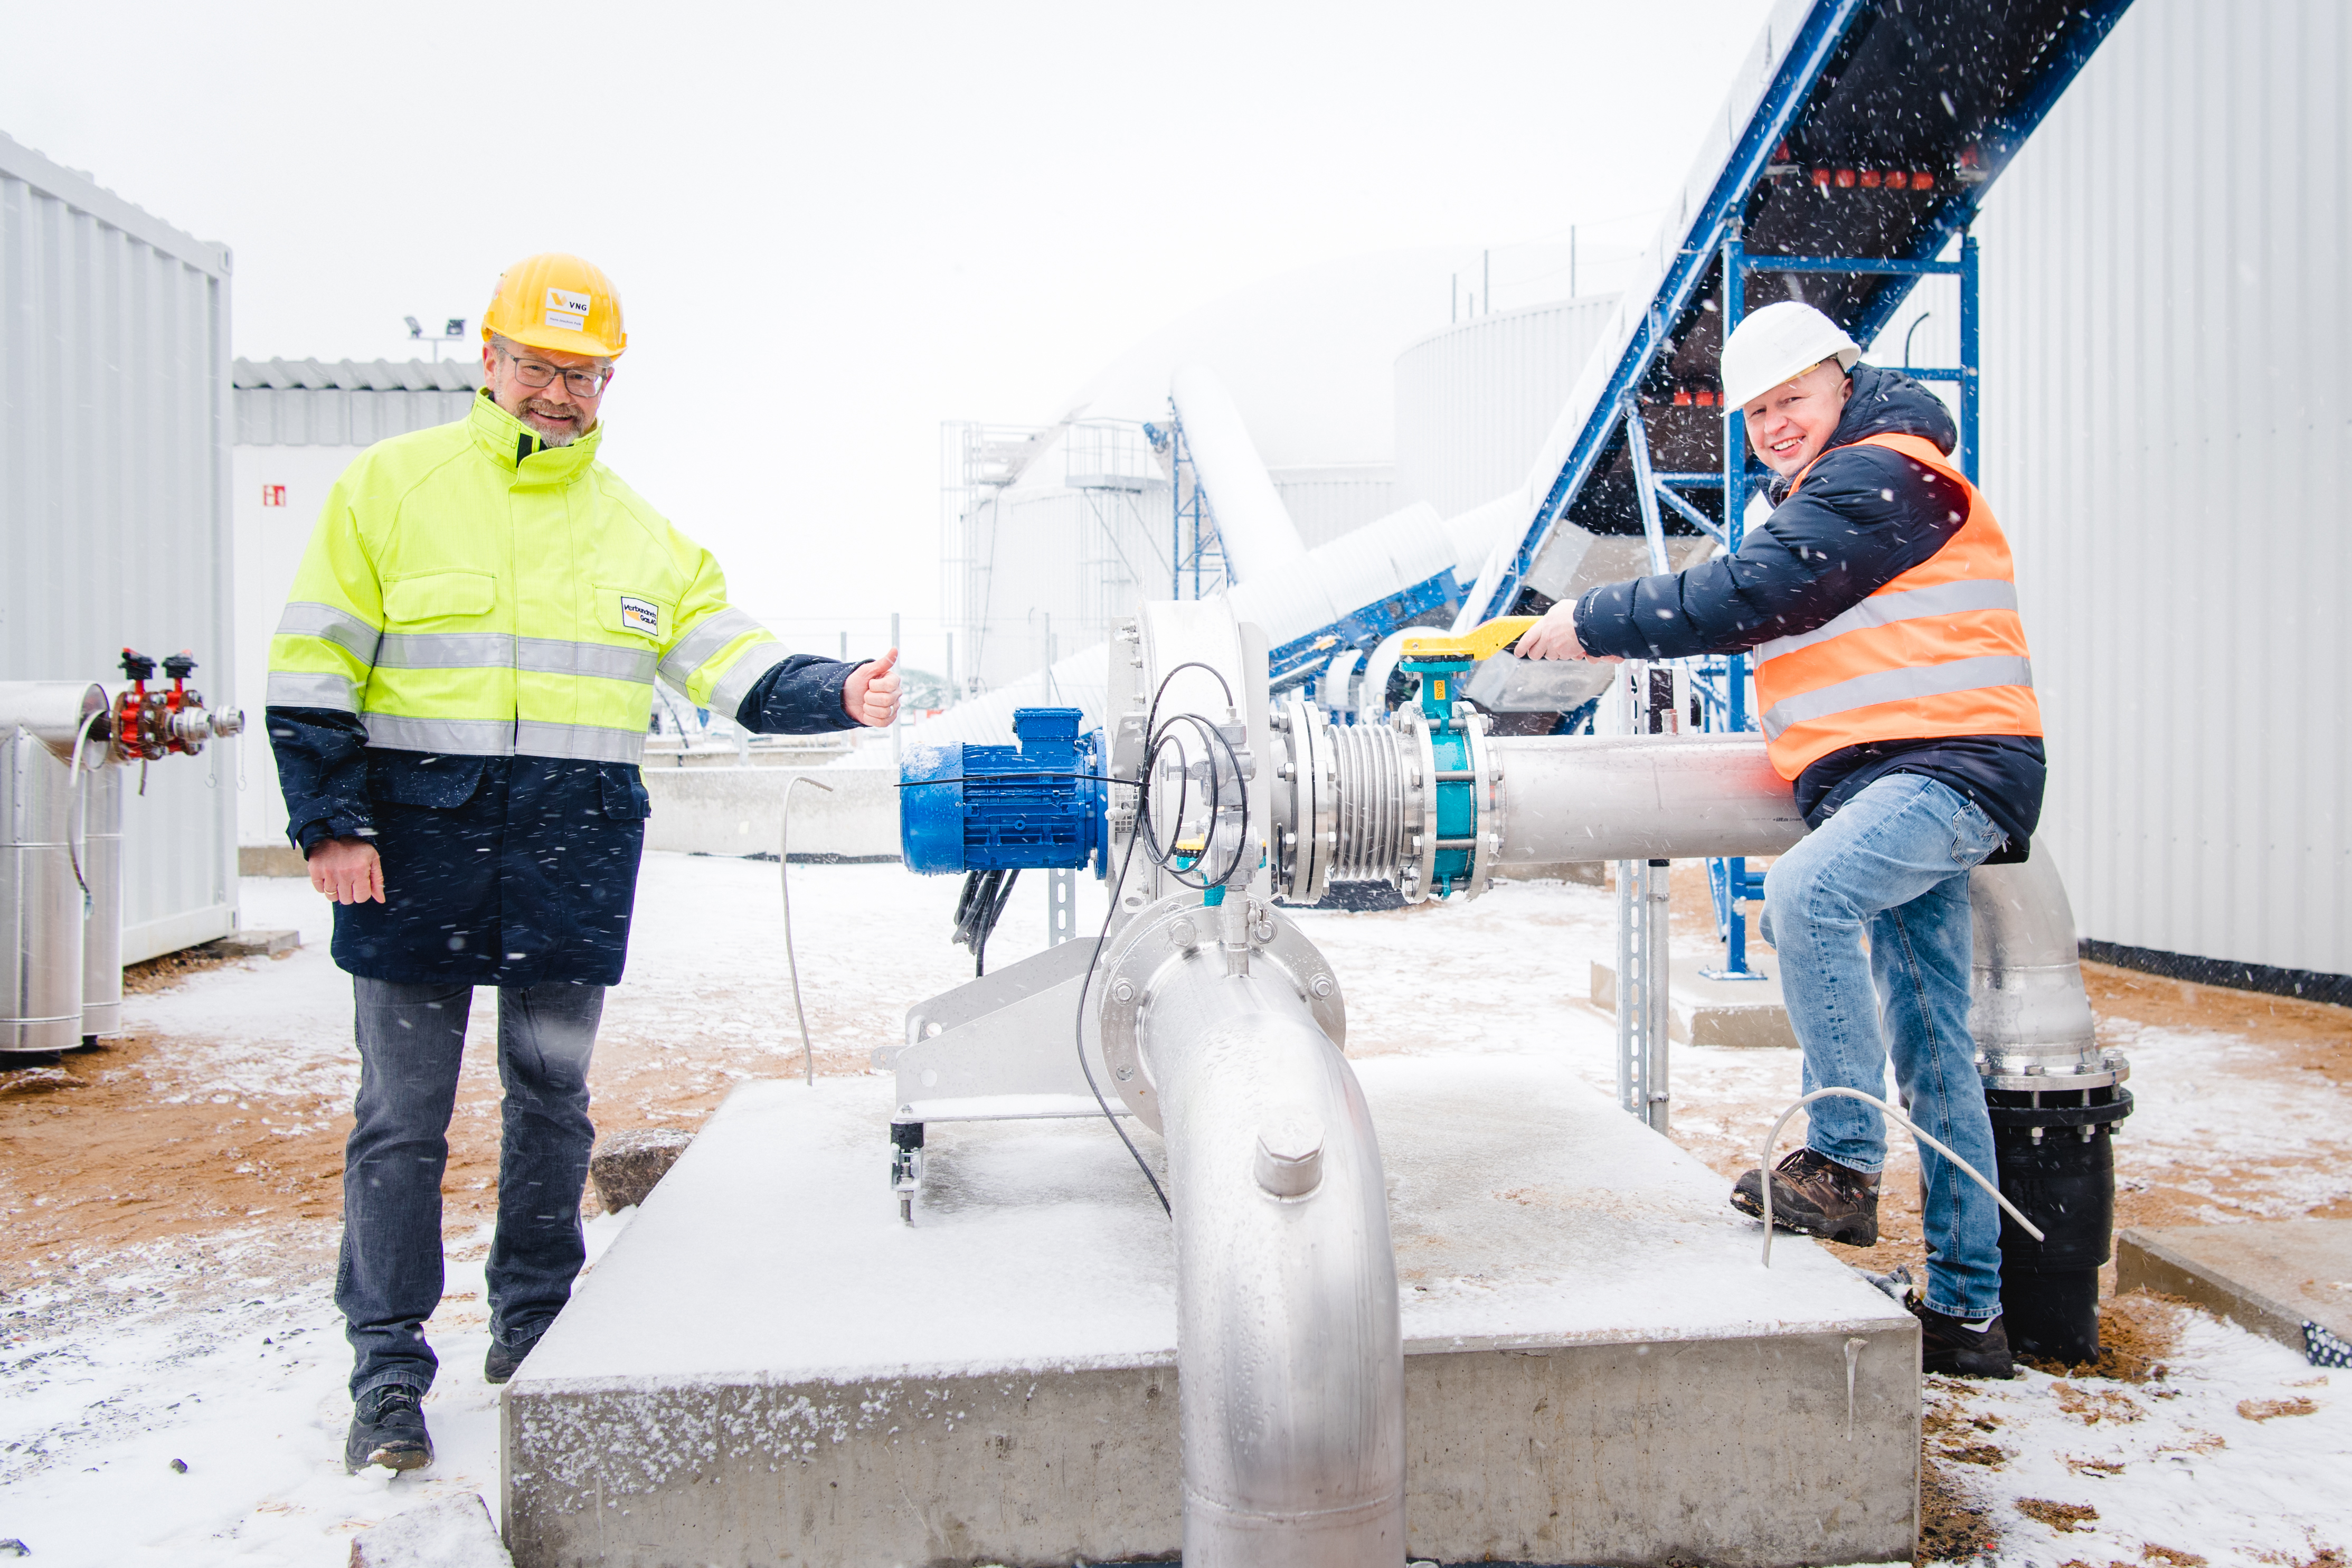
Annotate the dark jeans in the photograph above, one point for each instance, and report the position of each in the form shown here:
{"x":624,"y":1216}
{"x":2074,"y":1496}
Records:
{"x":412,"y":1040}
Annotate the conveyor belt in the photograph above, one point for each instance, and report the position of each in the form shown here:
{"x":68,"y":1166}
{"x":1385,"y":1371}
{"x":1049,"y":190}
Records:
{"x":1866,"y":128}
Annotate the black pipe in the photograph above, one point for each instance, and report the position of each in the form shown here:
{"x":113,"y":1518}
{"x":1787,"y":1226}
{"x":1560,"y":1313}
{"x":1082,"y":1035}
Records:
{"x":2057,"y":1163}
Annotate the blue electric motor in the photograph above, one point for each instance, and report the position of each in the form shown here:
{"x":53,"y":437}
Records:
{"x":1038,"y":805}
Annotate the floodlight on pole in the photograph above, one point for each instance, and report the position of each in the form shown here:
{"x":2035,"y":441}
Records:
{"x":452,"y":332}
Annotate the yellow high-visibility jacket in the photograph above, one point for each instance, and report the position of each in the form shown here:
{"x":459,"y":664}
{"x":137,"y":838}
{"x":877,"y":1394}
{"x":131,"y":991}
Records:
{"x":463,"y":676}
{"x":470,"y":592}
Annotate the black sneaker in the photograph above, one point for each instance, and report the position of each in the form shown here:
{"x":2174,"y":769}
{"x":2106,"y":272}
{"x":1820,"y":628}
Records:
{"x":387,"y":1429}
{"x":500,"y":1363}
{"x":1947,"y":1347}
{"x":1812,"y":1195}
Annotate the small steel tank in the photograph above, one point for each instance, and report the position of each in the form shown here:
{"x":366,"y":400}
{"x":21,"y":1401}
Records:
{"x":41,"y":905}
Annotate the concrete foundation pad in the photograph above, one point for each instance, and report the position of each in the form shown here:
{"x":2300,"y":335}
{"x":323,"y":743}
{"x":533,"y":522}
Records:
{"x":2267,"y":1276}
{"x":767,"y":1367}
{"x":1703,"y":1012}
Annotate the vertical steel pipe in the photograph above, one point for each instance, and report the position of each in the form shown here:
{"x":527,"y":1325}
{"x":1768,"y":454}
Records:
{"x":1290,"y":1359}
{"x":101,"y":869}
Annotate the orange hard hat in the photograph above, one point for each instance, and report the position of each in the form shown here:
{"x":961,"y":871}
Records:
{"x":557,"y":302}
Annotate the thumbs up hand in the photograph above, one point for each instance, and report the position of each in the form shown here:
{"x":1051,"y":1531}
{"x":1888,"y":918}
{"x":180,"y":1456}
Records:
{"x":870,"y":695}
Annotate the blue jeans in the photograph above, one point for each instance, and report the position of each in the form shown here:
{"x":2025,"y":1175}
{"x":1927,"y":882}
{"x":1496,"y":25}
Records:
{"x":412,"y":1040}
{"x":1894,"y":860}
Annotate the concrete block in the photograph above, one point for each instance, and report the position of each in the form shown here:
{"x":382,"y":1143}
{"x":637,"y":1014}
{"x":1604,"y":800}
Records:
{"x":626,"y":1166}
{"x":254,"y":943}
{"x":453,"y":1533}
{"x":271,"y":860}
{"x":740,"y":811}
{"x":1703,"y":1012}
{"x":1598,"y":1369}
{"x":2270,"y":1276}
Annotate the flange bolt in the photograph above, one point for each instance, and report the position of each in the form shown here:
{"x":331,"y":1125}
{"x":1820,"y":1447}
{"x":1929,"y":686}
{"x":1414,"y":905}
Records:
{"x":1320,"y":985}
{"x":1123,"y":992}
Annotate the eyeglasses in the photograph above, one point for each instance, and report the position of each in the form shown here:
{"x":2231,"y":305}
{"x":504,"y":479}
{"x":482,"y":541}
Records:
{"x":537,"y":374}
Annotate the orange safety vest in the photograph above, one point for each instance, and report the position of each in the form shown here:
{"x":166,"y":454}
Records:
{"x":1937,"y":651}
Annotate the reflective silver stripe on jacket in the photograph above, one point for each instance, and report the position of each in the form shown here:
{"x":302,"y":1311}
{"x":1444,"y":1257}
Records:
{"x":1886,"y":609}
{"x":743,"y":674}
{"x":445,"y":650}
{"x":290,"y":689}
{"x":308,"y":618}
{"x":579,"y":743}
{"x":504,"y":738}
{"x":452,"y":737}
{"x":498,"y":651}
{"x":604,"y":660}
{"x":696,"y":648}
{"x":1898,"y":685}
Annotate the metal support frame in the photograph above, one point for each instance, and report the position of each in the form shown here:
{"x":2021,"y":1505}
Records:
{"x":1061,"y":906}
{"x":1192,"y":510}
{"x":1645,"y":963}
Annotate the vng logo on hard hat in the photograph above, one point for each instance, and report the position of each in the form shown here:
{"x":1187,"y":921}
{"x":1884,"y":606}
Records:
{"x":568,"y":310}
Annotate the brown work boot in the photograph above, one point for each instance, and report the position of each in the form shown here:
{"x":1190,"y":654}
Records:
{"x":1812,"y":1195}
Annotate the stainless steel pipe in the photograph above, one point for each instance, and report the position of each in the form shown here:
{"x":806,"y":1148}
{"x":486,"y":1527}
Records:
{"x":2029,"y":1013}
{"x":40,"y":898}
{"x":101,"y":868}
{"x":1290,"y":1353}
{"x":1640,"y":797}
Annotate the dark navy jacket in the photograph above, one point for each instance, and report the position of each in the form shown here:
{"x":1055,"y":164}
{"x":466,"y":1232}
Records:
{"x":497,"y":871}
{"x":1865,"y":517}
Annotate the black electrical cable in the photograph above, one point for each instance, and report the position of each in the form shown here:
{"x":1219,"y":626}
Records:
{"x":1153,"y":741}
{"x":980,"y":907}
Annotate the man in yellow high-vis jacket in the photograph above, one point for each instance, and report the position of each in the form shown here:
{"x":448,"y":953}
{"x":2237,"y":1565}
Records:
{"x":459,"y":692}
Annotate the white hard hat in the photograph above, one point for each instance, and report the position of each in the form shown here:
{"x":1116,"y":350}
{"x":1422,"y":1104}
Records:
{"x":1777,"y":343}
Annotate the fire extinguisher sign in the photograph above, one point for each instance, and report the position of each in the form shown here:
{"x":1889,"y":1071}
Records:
{"x":273,"y":495}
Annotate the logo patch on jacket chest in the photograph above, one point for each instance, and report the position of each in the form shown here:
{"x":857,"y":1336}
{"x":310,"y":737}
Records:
{"x":640,"y":616}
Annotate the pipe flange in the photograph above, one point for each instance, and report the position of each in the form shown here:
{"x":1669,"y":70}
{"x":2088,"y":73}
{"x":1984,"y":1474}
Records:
{"x":1487,"y":791}
{"x":2018,"y":1073}
{"x":1175,"y":931}
{"x":1310,"y":829}
{"x":1420,"y":851}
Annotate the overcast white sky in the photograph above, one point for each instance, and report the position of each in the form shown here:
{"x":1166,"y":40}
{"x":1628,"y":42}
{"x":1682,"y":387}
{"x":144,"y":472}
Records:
{"x":835,"y":226}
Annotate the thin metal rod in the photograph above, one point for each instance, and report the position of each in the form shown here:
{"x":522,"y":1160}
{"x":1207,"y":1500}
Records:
{"x":1764,"y":1160}
{"x":785,"y":878}
{"x":1691,"y":514}
{"x":1637,"y":447}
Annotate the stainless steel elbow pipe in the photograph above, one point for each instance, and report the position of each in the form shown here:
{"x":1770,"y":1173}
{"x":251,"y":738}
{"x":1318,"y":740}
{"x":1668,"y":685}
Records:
{"x":1290,"y":1360}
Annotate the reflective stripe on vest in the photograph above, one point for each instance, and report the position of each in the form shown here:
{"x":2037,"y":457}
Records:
{"x":1937,"y":651}
{"x":504,"y":738}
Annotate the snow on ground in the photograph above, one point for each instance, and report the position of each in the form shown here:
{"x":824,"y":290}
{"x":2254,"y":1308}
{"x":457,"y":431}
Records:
{"x":223,"y":1355}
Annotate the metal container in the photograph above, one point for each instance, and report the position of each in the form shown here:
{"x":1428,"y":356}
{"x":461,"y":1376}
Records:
{"x":1475,"y":402}
{"x":101,"y":870}
{"x":115,"y":418}
{"x":41,"y":900}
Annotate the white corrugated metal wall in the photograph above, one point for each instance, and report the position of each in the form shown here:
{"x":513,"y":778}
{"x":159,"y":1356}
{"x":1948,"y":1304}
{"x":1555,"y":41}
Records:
{"x":114,"y":518}
{"x":2165,"y":352}
{"x":1475,"y":402}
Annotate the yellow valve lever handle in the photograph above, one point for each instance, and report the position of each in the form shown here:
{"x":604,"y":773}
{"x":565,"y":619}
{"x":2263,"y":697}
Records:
{"x":1479,"y":643}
